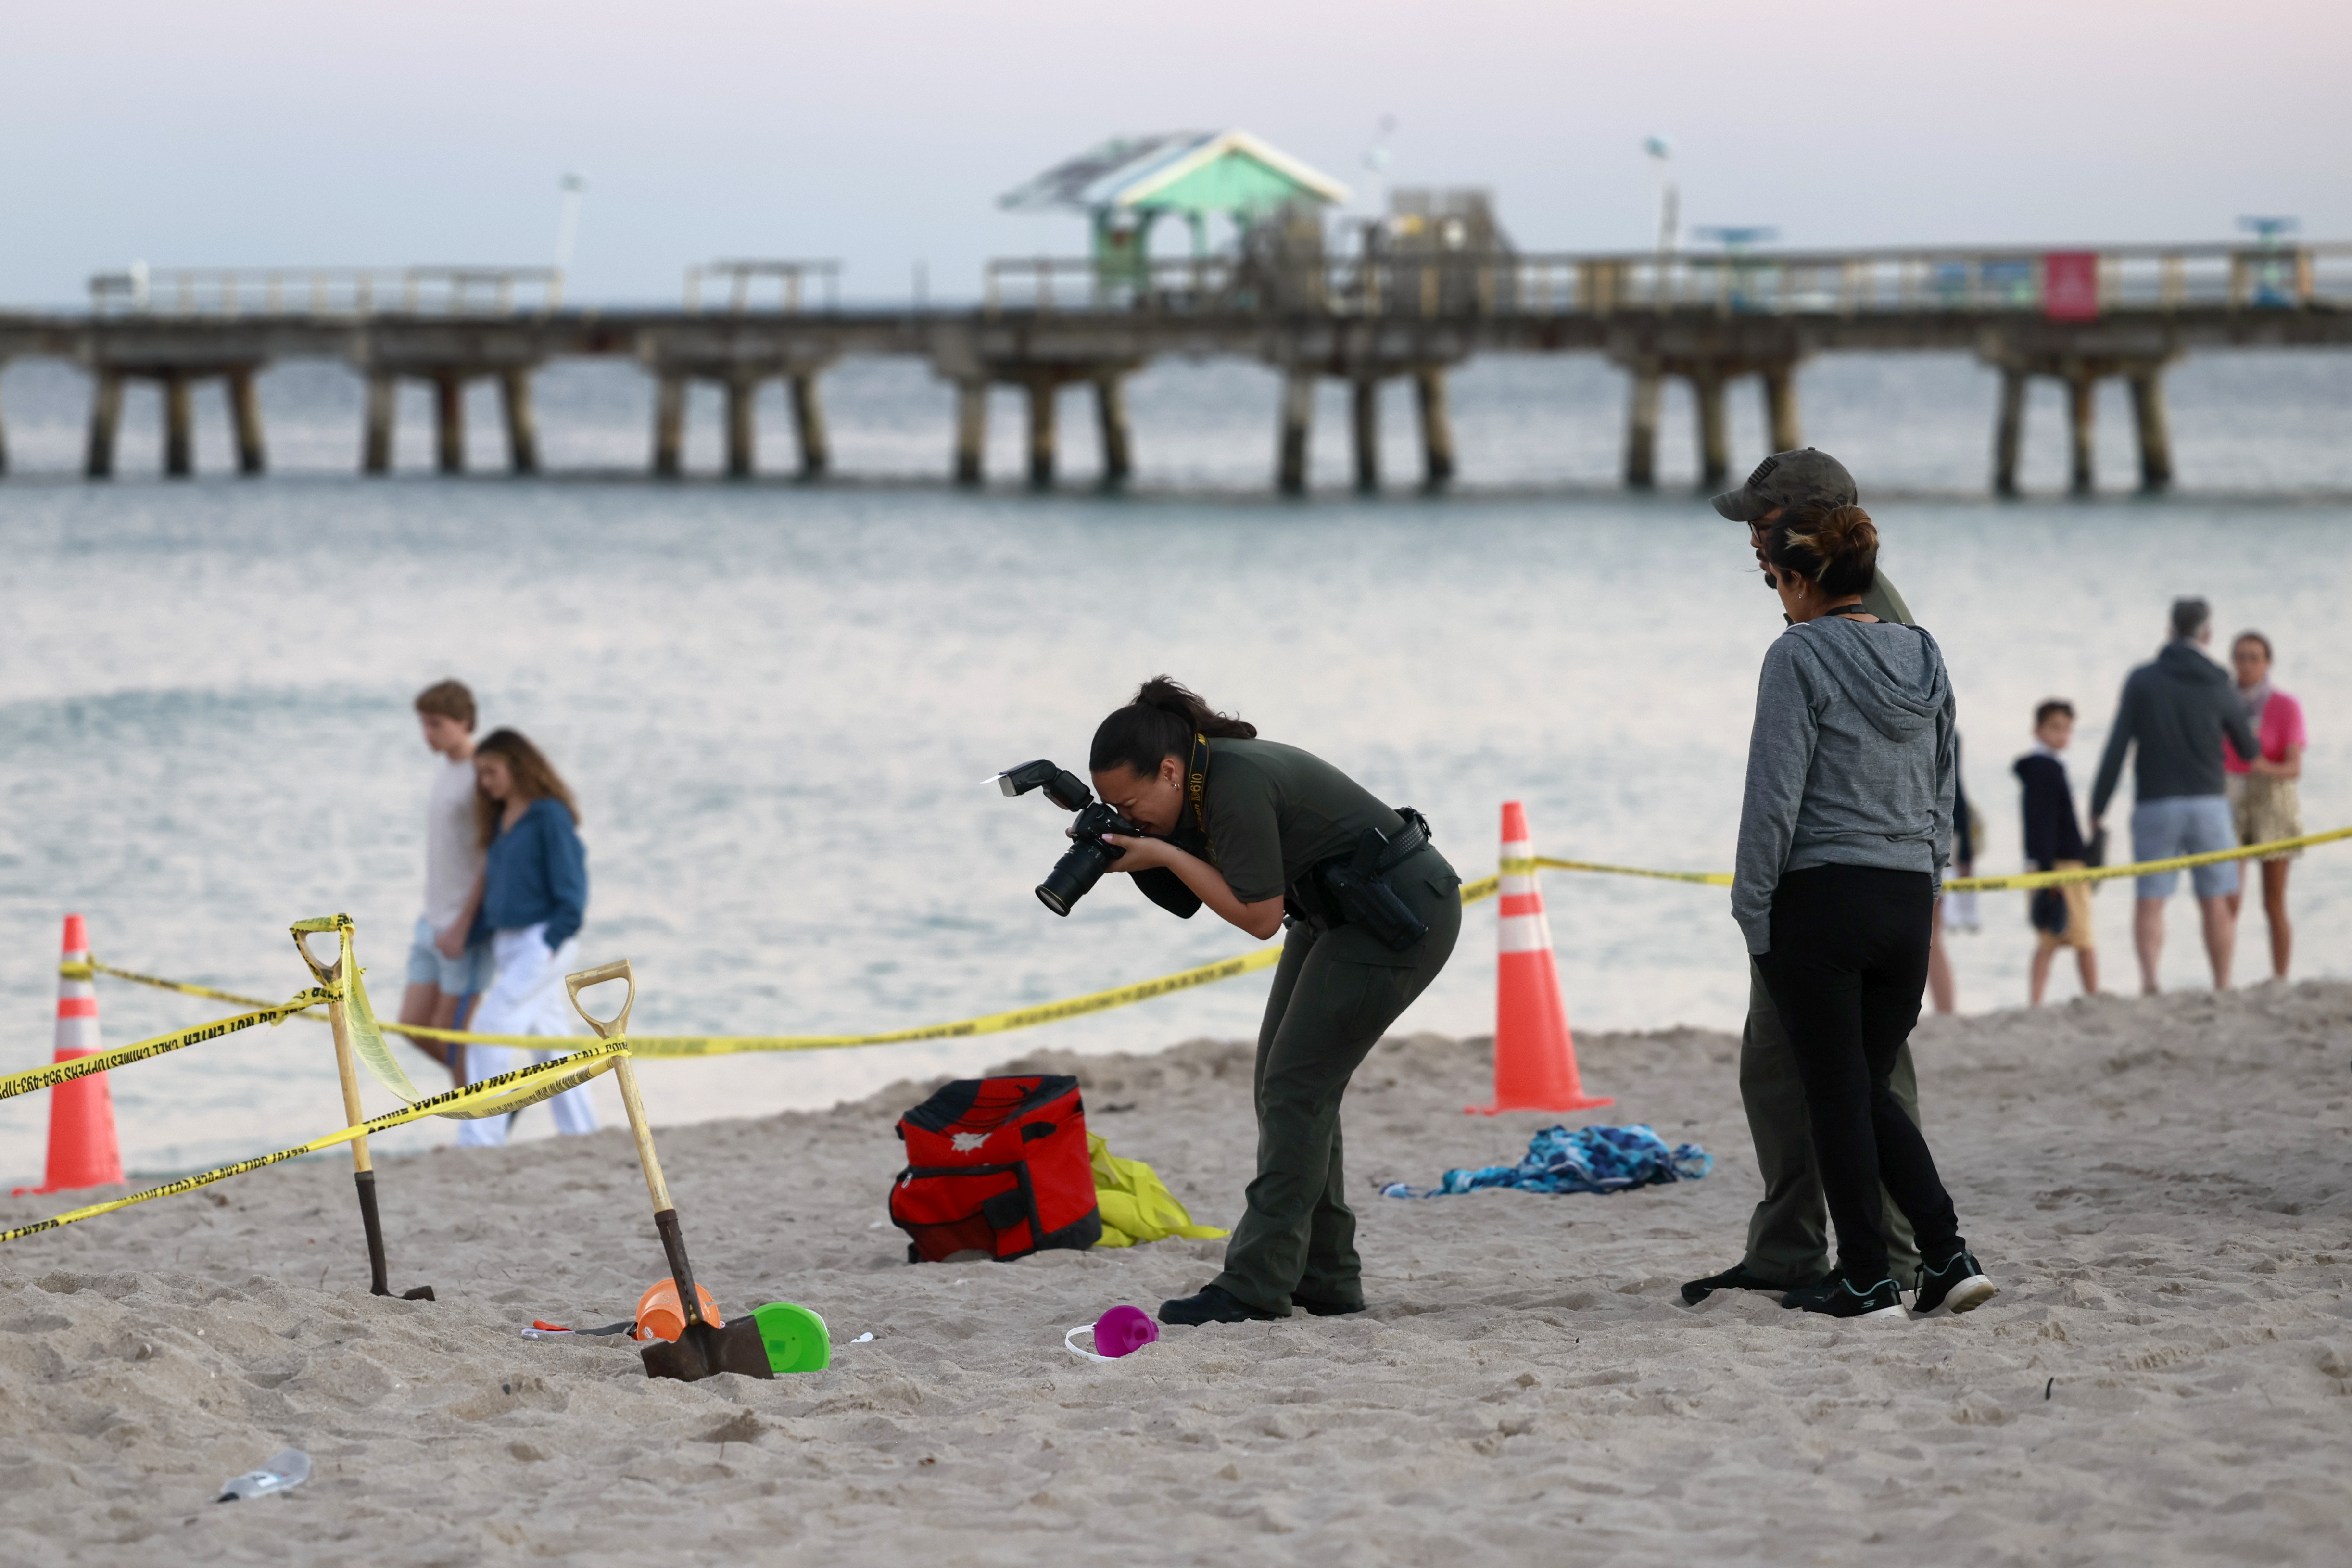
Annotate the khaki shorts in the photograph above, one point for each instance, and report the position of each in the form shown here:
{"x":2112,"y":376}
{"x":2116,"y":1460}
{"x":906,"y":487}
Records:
{"x":2265,"y":809}
{"x":2078,"y":933}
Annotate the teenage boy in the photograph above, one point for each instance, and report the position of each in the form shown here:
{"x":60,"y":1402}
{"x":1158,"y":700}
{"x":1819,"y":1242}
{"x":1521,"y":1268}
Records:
{"x":1788,"y":1235}
{"x":2061,"y":915}
{"x":441,"y":986}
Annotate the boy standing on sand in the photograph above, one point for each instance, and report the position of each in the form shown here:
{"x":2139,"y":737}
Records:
{"x":2061,"y":915}
{"x":440,"y":985}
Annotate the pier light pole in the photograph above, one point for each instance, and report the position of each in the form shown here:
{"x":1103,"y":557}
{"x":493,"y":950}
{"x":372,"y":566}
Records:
{"x":1670,"y":203}
{"x":567,"y":221}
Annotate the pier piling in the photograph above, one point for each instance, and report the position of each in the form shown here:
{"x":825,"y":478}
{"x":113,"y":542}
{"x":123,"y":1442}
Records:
{"x":808,"y":425}
{"x":449,"y":422}
{"x":2009,"y":431}
{"x":179,"y":427}
{"x":742,"y":425}
{"x":1297,"y":424}
{"x":383,"y":415}
{"x":245,"y":421}
{"x":1044,"y":391}
{"x":1110,"y":418}
{"x":970,"y":432}
{"x":670,"y":425}
{"x":522,"y":423}
{"x":1436,"y":427}
{"x":1641,"y":429}
{"x":1781,"y":419}
{"x":2155,"y":435}
{"x":1713,"y":434}
{"x":1366,"y":424}
{"x":2081,"y":429}
{"x":105,"y":422}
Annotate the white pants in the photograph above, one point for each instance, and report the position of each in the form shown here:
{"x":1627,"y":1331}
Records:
{"x":527,"y":998}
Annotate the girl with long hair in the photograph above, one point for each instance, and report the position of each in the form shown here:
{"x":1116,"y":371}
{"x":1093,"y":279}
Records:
{"x":533,"y":895}
{"x":2262,"y":791}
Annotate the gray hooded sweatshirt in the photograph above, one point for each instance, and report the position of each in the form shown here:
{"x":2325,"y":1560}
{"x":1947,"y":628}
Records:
{"x":1851,"y":762}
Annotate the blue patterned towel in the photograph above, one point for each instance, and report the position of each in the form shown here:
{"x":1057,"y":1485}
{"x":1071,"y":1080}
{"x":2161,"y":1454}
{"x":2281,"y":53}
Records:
{"x":1589,"y":1160}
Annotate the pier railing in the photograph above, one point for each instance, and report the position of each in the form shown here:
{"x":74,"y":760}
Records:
{"x":798,"y":286}
{"x":330,"y":292}
{"x":2064,"y":284}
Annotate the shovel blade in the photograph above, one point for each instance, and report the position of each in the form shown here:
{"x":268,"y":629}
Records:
{"x":704,"y":1352}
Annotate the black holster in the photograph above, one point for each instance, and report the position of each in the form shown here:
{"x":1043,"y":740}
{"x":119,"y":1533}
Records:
{"x":1353,"y":889}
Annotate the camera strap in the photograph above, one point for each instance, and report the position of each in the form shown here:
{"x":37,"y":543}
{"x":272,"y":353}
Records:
{"x":1196,"y":783}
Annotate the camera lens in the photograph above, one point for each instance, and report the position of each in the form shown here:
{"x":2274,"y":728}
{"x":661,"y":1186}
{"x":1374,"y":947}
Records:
{"x":1074,"y":876}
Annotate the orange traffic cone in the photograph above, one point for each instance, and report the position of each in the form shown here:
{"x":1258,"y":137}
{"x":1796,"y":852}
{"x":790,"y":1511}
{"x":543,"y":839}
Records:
{"x":1535,"y":1055}
{"x":82,"y":1149}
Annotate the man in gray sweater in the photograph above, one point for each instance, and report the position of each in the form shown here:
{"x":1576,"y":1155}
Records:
{"x":1788,"y":1235}
{"x":2176,"y":709}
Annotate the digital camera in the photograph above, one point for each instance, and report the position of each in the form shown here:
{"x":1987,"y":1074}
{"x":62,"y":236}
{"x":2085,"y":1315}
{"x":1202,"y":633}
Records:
{"x":1075,"y":873}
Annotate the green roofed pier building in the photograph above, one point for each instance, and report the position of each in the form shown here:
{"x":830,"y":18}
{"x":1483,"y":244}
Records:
{"x":1273,"y":203}
{"x":1128,"y":184}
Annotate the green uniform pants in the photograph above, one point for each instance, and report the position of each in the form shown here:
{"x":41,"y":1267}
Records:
{"x":1788,"y":1237}
{"x":1335,"y":992}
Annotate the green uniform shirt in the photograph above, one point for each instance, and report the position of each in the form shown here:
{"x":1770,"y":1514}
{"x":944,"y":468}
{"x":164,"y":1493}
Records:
{"x":1887,"y":604}
{"x":1275,"y":810}
{"x":1884,"y":602}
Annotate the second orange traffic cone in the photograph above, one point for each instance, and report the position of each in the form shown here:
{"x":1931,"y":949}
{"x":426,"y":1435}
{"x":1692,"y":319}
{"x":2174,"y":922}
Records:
{"x":1535,"y":1055}
{"x":82,"y":1148}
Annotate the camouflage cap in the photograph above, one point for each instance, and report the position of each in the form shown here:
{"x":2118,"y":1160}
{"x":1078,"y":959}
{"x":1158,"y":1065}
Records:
{"x":1803,"y":478}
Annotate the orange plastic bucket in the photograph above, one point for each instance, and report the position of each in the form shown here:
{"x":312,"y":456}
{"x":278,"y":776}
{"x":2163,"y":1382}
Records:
{"x":659,"y":1316}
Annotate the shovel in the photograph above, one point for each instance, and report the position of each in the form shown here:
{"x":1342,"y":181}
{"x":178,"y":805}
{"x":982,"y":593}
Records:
{"x":363,"y":1168}
{"x":699,"y":1351}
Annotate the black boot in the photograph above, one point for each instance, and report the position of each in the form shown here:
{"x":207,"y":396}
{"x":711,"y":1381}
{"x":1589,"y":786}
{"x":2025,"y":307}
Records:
{"x":1213,"y":1305}
{"x":1324,"y":1309}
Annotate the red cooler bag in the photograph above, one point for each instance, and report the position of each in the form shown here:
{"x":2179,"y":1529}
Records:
{"x":999,"y":1166}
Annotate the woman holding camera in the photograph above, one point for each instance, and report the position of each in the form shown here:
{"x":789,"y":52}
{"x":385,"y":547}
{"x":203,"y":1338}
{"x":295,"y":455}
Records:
{"x":1846,"y":819}
{"x":1267,"y":836}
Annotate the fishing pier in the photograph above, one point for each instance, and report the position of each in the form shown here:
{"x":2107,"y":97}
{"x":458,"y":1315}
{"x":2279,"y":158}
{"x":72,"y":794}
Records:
{"x":1713,"y":320}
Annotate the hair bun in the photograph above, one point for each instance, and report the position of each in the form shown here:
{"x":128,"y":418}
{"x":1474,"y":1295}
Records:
{"x":1836,"y":546}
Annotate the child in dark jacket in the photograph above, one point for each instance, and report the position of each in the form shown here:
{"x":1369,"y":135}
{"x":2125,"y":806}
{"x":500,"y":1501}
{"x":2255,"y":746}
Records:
{"x":2061,"y":915}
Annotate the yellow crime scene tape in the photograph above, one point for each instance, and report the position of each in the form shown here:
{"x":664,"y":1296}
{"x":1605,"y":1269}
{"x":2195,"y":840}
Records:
{"x":512,"y":1092}
{"x":2030,"y":880}
{"x":508,"y":1091}
{"x":385,"y":1067}
{"x":161,"y":1045}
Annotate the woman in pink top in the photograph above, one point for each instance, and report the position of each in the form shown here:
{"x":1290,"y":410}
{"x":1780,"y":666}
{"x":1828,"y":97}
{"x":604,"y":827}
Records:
{"x":2262,"y":793}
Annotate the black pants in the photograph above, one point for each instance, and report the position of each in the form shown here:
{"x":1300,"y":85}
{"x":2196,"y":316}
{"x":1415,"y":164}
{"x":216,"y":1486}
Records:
{"x":1848,"y":965}
{"x":1333,"y":996}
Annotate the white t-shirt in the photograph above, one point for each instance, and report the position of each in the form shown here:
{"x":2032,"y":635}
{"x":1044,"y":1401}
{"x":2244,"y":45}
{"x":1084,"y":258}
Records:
{"x":453,"y":854}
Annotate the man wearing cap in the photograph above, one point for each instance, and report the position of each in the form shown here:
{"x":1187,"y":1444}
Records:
{"x":1788,"y":1237}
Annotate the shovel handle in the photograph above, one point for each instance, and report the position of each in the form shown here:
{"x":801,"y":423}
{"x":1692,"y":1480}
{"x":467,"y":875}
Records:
{"x":339,"y":1015}
{"x":666,"y":1224}
{"x":305,"y":929}
{"x":618,"y":970}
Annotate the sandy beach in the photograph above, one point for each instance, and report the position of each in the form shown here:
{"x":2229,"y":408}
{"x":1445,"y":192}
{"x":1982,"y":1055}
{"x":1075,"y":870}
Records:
{"x":2159,"y":1186}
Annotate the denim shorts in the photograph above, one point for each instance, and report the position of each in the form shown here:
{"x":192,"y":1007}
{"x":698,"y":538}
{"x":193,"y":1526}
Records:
{"x":2186,"y":824}
{"x":465,"y":976}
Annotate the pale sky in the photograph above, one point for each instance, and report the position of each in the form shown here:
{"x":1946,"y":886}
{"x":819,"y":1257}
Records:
{"x":881,"y":132}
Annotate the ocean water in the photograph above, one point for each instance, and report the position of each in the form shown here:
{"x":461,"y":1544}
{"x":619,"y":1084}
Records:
{"x":779,"y":704}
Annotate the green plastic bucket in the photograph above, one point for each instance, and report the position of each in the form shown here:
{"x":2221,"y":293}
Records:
{"x":795,"y":1336}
